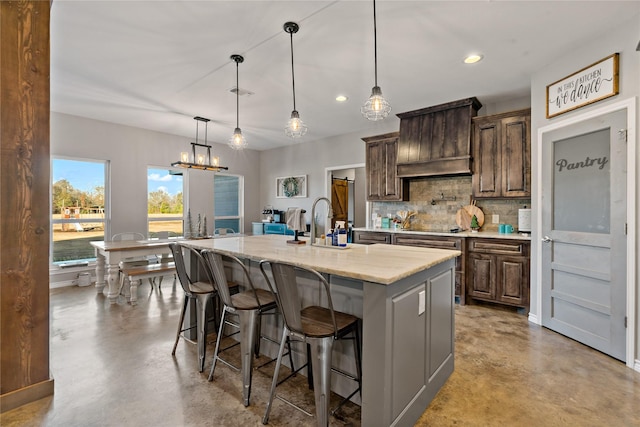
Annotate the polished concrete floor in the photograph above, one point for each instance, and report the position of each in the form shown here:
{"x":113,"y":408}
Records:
{"x":112,"y":366}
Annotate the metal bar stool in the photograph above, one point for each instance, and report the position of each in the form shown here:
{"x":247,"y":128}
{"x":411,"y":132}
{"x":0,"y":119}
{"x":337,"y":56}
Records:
{"x":249,"y":305}
{"x":316,"y":326}
{"x":202,"y":290}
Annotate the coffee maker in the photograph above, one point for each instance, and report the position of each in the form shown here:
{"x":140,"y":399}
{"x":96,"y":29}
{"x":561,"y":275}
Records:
{"x":267,"y":213}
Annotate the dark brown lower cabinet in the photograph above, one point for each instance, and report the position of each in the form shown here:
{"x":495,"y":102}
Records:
{"x":498,"y":271}
{"x":440,"y":242}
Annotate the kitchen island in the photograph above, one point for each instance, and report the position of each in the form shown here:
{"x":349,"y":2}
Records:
{"x":404,"y":296}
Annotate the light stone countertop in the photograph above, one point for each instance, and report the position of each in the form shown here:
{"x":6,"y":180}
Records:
{"x":378,"y":263}
{"x":479,"y":234}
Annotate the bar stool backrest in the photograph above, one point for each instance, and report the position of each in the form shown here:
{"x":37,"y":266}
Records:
{"x":186,"y":278}
{"x":216,"y":259}
{"x":287,"y":295}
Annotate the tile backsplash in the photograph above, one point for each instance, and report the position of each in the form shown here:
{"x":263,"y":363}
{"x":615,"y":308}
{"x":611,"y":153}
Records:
{"x":437,"y":199}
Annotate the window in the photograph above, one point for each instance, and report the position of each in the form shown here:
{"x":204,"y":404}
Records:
{"x":228,"y":207}
{"x":78,"y":210}
{"x":165,"y":188}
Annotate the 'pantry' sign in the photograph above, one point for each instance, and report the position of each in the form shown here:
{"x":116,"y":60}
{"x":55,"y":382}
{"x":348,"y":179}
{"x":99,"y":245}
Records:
{"x":591,"y":84}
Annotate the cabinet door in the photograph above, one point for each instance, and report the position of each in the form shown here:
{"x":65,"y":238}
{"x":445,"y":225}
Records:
{"x":516,"y":156}
{"x":486,"y":178}
{"x":482,"y":276}
{"x":502,"y":155}
{"x":381,"y":159}
{"x":513,"y":280}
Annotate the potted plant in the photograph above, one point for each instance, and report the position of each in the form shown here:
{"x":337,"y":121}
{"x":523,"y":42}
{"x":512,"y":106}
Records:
{"x":474,"y":224}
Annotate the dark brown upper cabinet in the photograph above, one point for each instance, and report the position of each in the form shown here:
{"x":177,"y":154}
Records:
{"x":502,"y":155}
{"x":381,"y":155}
{"x":436,"y":141}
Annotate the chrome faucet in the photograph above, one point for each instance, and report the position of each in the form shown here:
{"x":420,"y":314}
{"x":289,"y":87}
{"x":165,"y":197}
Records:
{"x":313,"y":216}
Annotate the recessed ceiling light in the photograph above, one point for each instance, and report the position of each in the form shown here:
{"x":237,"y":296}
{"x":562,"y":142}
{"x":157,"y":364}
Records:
{"x":341,"y":98}
{"x":472,"y":59}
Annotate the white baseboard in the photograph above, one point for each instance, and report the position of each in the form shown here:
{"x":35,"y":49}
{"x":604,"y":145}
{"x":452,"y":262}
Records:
{"x":636,"y":366}
{"x":534,"y":319}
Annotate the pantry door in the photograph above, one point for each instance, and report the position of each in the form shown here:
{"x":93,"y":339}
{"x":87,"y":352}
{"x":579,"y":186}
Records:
{"x":584,"y":232}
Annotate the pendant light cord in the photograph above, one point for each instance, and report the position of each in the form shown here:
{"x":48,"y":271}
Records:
{"x":293,"y":77}
{"x":237,"y":98}
{"x":375,"y":44}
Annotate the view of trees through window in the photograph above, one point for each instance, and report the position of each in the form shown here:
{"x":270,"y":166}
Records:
{"x":165,"y":189}
{"x":77,"y":208}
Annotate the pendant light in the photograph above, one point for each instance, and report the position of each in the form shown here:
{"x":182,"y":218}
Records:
{"x":237,"y":140}
{"x":376,"y":107}
{"x":199,"y":160}
{"x":295,"y":127}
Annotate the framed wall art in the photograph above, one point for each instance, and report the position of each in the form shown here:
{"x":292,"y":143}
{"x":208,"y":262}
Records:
{"x":291,"y":186}
{"x":591,"y":84}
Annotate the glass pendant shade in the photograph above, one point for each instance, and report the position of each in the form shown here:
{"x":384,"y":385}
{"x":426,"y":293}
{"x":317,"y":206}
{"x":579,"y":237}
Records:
{"x":295,"y":126}
{"x":237,"y":140}
{"x":376,"y":107}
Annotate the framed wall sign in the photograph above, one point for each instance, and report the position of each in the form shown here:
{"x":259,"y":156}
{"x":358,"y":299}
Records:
{"x":591,"y":84}
{"x":291,"y":186}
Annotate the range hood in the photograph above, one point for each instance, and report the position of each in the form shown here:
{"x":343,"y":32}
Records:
{"x":436,"y":141}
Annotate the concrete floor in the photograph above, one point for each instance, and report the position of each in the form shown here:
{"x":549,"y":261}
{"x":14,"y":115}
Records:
{"x":112,"y":366}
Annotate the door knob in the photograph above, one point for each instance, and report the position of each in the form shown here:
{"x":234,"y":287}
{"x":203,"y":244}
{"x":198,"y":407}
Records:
{"x":547,"y":239}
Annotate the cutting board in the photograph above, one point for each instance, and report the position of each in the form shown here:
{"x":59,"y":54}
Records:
{"x":472,"y":210}
{"x":463,"y":219}
{"x":464,"y":215}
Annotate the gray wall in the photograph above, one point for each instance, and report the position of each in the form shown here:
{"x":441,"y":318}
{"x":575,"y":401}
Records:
{"x":311,"y":159}
{"x":623,"y":39}
{"x":131,"y":150}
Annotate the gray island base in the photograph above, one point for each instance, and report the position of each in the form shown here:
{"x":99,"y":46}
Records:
{"x":405,"y":297}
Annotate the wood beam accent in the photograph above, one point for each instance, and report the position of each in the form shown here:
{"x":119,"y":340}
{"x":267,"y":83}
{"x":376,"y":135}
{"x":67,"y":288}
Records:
{"x":24,"y":202}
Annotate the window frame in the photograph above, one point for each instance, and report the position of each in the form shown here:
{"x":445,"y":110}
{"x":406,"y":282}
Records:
{"x":240,"y":216}
{"x":106,"y":220}
{"x":185,"y":208}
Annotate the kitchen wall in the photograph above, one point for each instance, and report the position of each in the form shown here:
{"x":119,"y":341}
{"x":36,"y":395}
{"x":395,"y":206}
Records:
{"x":312,"y":159}
{"x":131,"y":150}
{"x":432,"y":198}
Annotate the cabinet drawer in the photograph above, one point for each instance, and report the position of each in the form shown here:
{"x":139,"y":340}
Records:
{"x":493,"y":246}
{"x":428,"y":242}
{"x":369,"y":237}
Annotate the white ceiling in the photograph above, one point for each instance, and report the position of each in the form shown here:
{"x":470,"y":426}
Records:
{"x":157,"y":64}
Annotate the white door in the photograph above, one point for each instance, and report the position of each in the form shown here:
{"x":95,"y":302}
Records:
{"x":584,"y":232}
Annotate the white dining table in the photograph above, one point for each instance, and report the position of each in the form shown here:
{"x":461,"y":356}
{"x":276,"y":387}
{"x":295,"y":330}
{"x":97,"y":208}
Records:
{"x":109,"y":255}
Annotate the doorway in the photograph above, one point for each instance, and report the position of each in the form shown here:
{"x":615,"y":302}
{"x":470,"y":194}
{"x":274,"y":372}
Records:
{"x":357,"y":206}
{"x":583,"y":218}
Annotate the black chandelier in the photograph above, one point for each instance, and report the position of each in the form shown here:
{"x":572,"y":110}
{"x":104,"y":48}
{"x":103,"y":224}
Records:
{"x":199,"y":160}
